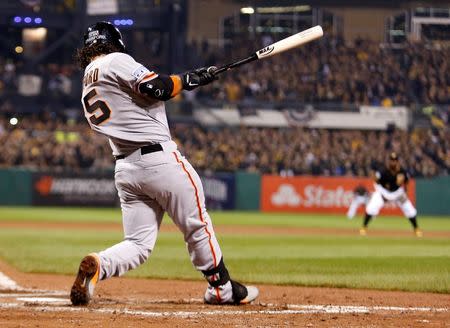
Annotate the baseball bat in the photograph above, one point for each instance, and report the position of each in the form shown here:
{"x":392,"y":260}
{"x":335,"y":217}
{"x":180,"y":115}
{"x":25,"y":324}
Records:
{"x":283,"y":45}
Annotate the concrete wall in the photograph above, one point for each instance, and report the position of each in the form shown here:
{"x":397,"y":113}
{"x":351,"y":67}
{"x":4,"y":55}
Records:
{"x":364,"y":22}
{"x":205,"y":16}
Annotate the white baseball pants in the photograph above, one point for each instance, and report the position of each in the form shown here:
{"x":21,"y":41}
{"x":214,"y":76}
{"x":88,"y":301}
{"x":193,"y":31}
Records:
{"x":376,"y":202}
{"x":149,"y":185}
{"x":357,"y":201}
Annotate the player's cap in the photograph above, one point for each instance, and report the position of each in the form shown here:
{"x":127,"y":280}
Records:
{"x":103,"y":32}
{"x":393,"y":156}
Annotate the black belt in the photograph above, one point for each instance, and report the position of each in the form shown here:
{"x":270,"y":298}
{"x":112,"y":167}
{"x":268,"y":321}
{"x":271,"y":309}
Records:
{"x":144,"y":150}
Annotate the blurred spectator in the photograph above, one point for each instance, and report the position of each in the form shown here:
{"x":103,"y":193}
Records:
{"x":327,"y":71}
{"x":51,"y":143}
{"x":8,"y":77}
{"x":363,"y":73}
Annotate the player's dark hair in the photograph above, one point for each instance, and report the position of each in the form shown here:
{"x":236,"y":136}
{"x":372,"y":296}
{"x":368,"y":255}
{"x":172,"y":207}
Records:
{"x":85,"y":55}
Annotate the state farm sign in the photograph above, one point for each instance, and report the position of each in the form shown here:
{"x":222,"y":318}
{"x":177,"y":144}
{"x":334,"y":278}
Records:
{"x":316,"y":194}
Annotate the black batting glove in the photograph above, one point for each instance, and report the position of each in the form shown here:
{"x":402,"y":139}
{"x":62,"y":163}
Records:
{"x":198,"y":77}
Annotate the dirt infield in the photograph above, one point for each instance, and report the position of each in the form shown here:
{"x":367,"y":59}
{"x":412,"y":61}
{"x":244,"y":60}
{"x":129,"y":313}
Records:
{"x":122,"y":302}
{"x":41,"y":300}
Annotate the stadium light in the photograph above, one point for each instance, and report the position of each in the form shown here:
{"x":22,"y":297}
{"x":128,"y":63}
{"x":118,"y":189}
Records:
{"x":281,"y":10}
{"x":247,"y":10}
{"x":123,"y":22}
{"x":27,"y":20}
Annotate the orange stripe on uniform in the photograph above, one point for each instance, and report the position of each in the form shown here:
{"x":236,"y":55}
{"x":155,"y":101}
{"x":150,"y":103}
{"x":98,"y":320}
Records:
{"x":198,"y":205}
{"x":146,"y":78}
{"x":201,"y":216}
{"x":177,"y":85}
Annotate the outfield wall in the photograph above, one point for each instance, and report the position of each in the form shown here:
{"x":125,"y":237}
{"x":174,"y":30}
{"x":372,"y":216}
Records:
{"x":433,"y":196}
{"x":223,"y":191}
{"x":15,"y":187}
{"x":314,"y":194}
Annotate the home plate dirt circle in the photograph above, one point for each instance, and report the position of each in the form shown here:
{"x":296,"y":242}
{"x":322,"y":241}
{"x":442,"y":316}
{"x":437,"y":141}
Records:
{"x":46,"y":301}
{"x":43,"y":300}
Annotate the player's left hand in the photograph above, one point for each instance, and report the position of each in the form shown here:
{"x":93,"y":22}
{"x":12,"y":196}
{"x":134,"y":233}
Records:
{"x":198,"y":77}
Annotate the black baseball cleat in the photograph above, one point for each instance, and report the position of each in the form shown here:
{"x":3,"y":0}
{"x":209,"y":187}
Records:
{"x":243,"y":294}
{"x":87,"y":277}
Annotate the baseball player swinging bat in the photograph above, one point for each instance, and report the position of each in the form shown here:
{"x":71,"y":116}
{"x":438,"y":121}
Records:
{"x":278,"y":47}
{"x":124,"y":100}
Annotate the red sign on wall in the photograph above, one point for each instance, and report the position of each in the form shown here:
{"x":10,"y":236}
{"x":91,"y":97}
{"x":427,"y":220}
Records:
{"x":318,"y":194}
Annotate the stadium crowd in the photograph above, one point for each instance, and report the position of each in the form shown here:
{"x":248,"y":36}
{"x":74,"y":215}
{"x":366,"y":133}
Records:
{"x":48,"y":143}
{"x":362,"y":73}
{"x":33,"y":89}
{"x":328,"y":71}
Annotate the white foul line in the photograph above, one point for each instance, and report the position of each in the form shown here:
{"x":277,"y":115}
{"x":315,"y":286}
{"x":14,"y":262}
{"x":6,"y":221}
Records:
{"x":7,"y":284}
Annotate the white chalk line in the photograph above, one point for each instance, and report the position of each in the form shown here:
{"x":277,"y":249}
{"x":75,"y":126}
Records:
{"x":364,"y":309}
{"x":45,"y":300}
{"x":8,"y":283}
{"x":32,"y":298}
{"x":291,"y":309}
{"x":33,"y":293}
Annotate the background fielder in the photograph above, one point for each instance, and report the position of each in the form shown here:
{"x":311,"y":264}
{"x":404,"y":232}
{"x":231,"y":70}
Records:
{"x":360,"y":197}
{"x":123,"y":100}
{"x":390,"y":186}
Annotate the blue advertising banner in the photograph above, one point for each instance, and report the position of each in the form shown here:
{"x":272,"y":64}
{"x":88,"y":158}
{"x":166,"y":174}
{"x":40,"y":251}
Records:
{"x":219,"y":191}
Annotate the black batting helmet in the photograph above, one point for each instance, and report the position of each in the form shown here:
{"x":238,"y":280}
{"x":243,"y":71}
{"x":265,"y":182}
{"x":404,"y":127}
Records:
{"x":103,"y":32}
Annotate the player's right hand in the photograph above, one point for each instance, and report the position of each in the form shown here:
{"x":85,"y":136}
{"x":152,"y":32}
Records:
{"x":198,"y":77}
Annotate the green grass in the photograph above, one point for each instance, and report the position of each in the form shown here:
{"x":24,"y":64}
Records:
{"x":111,"y":215}
{"x":393,"y":263}
{"x":58,"y":214}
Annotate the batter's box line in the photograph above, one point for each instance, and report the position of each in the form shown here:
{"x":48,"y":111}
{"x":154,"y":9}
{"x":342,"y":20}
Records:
{"x":32,"y":293}
{"x":180,"y":301}
{"x":360,"y":308}
{"x":301,"y":309}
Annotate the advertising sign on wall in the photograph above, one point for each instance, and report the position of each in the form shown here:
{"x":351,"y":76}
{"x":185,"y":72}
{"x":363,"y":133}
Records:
{"x":80,"y":190}
{"x":219,"y":191}
{"x":317,"y":194}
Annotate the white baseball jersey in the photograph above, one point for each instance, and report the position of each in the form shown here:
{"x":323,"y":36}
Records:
{"x":114,"y":107}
